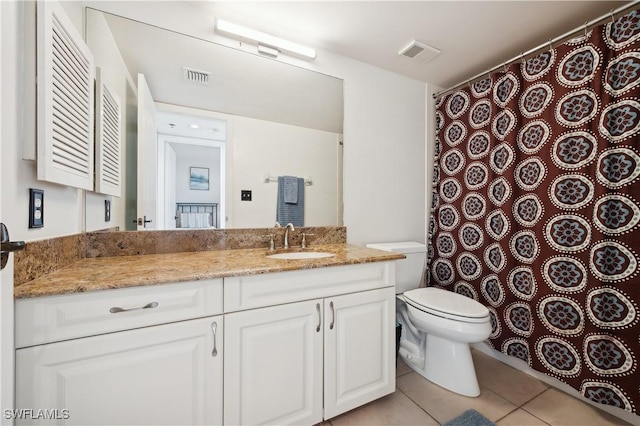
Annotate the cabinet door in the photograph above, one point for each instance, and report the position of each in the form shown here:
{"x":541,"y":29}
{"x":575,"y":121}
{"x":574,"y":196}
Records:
{"x":65,"y":70}
{"x":166,"y":374}
{"x":273,"y":365}
{"x":359,"y":349}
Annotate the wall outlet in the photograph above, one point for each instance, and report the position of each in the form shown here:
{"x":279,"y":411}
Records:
{"x":107,"y":210}
{"x":36,"y":208}
{"x":245,"y":195}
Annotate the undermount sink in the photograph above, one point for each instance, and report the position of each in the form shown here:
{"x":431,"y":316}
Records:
{"x":300,"y":255}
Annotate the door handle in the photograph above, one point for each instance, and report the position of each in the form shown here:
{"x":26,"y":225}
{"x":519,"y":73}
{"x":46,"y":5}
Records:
{"x":7,"y":246}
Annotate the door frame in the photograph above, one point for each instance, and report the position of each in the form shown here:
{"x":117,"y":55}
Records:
{"x":226,"y":156}
{"x":163,"y":141}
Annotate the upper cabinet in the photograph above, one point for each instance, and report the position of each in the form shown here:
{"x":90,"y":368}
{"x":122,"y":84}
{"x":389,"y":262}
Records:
{"x":65,"y":106}
{"x":108,"y":141}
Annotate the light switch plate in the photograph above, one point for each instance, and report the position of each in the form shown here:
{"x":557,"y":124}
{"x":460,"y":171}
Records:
{"x":245,"y":195}
{"x":36,"y":208}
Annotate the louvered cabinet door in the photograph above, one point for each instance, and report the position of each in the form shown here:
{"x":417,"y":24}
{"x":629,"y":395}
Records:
{"x":108,"y":146}
{"x":65,"y":100}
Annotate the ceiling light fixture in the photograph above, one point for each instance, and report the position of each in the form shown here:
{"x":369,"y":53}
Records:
{"x":267,"y":50}
{"x":275,"y":44}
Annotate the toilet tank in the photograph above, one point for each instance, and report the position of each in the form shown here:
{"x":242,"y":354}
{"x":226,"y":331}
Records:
{"x":409,"y":271}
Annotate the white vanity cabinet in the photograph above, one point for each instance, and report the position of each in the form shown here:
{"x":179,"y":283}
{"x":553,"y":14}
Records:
{"x":299,"y":362}
{"x":298,"y":347}
{"x":157,"y":365}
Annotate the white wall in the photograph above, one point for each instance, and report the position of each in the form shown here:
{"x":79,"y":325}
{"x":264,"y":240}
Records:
{"x":288,"y":150}
{"x":197,"y":156}
{"x":384,"y":156}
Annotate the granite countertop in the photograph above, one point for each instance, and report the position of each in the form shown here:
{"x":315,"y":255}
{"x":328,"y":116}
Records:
{"x":93,"y":274}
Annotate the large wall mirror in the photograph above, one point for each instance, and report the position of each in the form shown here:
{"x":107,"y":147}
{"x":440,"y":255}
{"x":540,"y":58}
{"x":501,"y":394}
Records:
{"x":225,"y":121}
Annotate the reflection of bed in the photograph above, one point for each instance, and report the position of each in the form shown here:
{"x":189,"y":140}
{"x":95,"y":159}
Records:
{"x":196,"y":215}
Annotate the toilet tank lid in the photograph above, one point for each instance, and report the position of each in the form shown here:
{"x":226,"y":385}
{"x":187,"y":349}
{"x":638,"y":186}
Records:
{"x":400,"y":247}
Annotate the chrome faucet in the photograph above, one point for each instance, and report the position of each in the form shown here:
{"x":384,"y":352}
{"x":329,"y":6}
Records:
{"x":286,"y":234}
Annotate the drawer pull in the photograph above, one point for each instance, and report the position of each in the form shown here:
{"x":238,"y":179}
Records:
{"x":117,"y":309}
{"x":333,"y":316}
{"x":214,"y":327}
{"x":319,"y":317}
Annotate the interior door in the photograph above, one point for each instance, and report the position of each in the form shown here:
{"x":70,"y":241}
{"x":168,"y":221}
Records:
{"x":147,"y":158}
{"x":6,"y":299}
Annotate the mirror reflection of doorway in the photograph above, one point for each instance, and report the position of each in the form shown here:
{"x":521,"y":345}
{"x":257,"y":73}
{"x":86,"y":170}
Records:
{"x":194,"y":145}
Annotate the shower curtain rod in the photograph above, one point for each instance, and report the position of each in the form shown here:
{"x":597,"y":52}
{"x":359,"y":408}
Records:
{"x":540,"y":47}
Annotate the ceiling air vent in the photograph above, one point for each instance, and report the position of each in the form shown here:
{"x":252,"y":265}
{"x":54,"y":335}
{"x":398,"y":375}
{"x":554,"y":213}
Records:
{"x":419,"y":51}
{"x":196,"y":76}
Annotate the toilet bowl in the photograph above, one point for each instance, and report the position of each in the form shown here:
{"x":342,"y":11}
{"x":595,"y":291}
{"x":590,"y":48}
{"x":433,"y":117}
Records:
{"x":437,"y":325}
{"x":443,"y":353}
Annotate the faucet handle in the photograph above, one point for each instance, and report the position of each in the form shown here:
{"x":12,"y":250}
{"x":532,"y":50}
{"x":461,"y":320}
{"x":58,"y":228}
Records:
{"x":272,"y":243}
{"x":304,"y":239}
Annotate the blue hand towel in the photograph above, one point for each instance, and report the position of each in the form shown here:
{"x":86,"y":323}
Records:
{"x":293,"y":213}
{"x":290,"y":189}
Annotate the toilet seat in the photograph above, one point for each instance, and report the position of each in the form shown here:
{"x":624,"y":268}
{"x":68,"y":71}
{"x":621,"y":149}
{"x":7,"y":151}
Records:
{"x":446,"y":304}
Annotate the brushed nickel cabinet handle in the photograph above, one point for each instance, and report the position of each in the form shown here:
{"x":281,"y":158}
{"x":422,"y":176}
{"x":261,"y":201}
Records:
{"x":319,"y":317}
{"x":117,"y":309}
{"x":214,"y":328}
{"x":333,"y":316}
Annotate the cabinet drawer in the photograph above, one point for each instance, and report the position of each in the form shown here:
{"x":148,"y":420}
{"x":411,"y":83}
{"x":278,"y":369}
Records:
{"x":50,"y":319}
{"x":254,"y":291}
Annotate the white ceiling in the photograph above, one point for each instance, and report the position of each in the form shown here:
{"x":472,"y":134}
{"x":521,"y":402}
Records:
{"x":472,"y":35}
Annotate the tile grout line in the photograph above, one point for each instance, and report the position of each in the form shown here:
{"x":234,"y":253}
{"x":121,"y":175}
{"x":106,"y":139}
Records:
{"x":415,"y":403}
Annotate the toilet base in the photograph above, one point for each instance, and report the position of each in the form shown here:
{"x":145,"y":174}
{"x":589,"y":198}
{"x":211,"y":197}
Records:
{"x":446,"y":363}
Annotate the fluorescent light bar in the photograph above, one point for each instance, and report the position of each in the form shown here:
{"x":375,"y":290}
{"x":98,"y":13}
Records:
{"x":264,"y":39}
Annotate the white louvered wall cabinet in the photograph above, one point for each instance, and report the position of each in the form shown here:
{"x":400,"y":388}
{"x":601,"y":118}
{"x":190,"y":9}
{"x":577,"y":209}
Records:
{"x":108,"y":141}
{"x":65,"y":100}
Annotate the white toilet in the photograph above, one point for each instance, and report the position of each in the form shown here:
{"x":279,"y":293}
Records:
{"x":437,"y":325}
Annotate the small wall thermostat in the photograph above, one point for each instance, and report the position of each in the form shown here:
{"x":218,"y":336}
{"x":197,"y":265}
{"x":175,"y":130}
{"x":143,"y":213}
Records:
{"x":36,"y":208}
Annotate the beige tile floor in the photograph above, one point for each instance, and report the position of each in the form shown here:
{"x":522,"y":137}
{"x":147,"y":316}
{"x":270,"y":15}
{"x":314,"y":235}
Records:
{"x":508,"y":397}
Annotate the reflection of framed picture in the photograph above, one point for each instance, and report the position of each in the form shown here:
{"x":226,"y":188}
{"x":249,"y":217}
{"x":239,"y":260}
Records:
{"x":199,"y":178}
